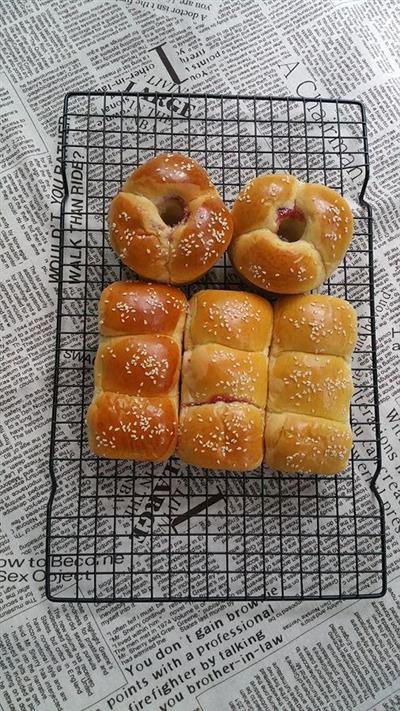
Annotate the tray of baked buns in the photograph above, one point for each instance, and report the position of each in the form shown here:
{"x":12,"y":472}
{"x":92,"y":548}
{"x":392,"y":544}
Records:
{"x":215,"y":429}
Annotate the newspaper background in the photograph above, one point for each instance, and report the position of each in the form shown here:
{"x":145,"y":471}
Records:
{"x":159,"y":656}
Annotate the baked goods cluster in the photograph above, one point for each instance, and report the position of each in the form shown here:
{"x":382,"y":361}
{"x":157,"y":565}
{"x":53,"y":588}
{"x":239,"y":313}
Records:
{"x":169,"y":224}
{"x":310,"y":384}
{"x":224,"y":380}
{"x":134,"y":411}
{"x":259,"y":383}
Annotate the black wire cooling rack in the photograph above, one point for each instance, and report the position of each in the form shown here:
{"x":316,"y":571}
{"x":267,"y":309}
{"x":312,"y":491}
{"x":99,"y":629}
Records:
{"x":120,"y":531}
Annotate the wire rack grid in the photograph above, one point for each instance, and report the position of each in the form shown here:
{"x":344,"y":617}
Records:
{"x":126,"y":531}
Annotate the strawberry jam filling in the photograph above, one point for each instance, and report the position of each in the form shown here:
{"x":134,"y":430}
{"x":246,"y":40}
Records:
{"x":291,"y":223}
{"x":292,"y":213}
{"x":217,"y":398}
{"x":225,"y":398}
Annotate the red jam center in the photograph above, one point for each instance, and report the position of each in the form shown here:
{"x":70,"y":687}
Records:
{"x":225,"y":398}
{"x":291,"y":223}
{"x":289,"y":213}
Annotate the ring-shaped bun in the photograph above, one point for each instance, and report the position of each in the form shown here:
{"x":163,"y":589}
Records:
{"x":288,"y":236}
{"x":169,"y":223}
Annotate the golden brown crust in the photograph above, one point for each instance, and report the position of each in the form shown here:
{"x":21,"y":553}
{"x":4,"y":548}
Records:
{"x":201,"y":241}
{"x":330,"y":222}
{"x":255,"y":206}
{"x":146,"y":365}
{"x":134,"y":308}
{"x":137,"y":229}
{"x":221,"y":436}
{"x":298,"y":443}
{"x":224,"y":380}
{"x":212,"y":372}
{"x":177,"y":246}
{"x":314,"y":324}
{"x":231,"y":318}
{"x":134,"y":411}
{"x":263,"y":258}
{"x":127,"y":427}
{"x":155,"y":177}
{"x":310,"y":384}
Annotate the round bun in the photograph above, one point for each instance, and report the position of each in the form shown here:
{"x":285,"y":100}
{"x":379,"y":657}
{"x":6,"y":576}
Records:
{"x":169,"y":223}
{"x":288,"y":236}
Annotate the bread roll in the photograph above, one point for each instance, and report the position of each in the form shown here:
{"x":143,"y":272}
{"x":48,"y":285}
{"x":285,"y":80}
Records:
{"x":134,"y":411}
{"x":134,"y":308}
{"x":128,"y":427}
{"x":145,"y":365}
{"x":310,"y":385}
{"x":224,"y":380}
{"x":169,"y":223}
{"x":222,"y":436}
{"x":212,"y":373}
{"x":230,"y":318}
{"x":311,"y":445}
{"x":314,"y":324}
{"x":288,"y":236}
